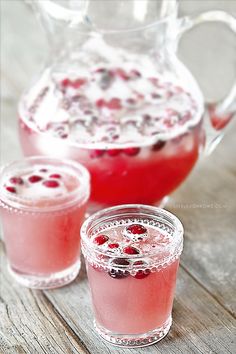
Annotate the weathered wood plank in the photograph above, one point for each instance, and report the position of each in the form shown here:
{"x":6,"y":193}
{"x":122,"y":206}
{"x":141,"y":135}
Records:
{"x":206,"y":204}
{"x":28,"y":322}
{"x":201,"y":325}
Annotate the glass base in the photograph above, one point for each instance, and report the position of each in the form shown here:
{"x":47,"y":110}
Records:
{"x":50,"y":281}
{"x":134,"y":340}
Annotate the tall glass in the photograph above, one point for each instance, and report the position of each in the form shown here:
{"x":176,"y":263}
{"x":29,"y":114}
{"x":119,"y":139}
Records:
{"x":132,"y":256}
{"x":42,"y":207}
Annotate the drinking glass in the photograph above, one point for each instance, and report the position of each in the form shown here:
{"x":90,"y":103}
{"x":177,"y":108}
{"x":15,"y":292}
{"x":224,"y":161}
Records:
{"x":132,"y":257}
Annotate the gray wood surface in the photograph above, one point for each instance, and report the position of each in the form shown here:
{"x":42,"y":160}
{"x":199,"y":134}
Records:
{"x":60,"y":321}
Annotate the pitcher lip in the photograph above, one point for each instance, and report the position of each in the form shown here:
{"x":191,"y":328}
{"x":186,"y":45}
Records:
{"x":55,"y":10}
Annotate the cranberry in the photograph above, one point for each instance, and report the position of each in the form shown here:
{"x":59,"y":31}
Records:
{"x":11,"y":189}
{"x":51,"y":184}
{"x":113,"y":245}
{"x":135,"y":74}
{"x":130,"y":250}
{"x":88,"y":112}
{"x":154,"y":81}
{"x":113,"y":152}
{"x":178,"y":89}
{"x":141,"y":273}
{"x":100,"y":70}
{"x":100,"y":103}
{"x":55,"y":175}
{"x":132,"y":151}
{"x":35,"y":179}
{"x":63,"y":136}
{"x":78,"y":83}
{"x":118,"y":273}
{"x":147,"y":117}
{"x":66,"y":82}
{"x":16,"y":180}
{"x":122,"y":74}
{"x":100,"y":239}
{"x":44,"y":170}
{"x":114,"y":103}
{"x":171,"y":112}
{"x":96,"y":153}
{"x":155,"y":95}
{"x":131,"y":101}
{"x":136,"y":229}
{"x":158,"y":145}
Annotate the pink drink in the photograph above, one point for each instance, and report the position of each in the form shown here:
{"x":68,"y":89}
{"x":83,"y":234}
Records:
{"x":43,"y":202}
{"x":121,"y":120}
{"x":132,"y":255}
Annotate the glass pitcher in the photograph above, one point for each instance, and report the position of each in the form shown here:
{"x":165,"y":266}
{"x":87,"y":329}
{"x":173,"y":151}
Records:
{"x":115,"y":97}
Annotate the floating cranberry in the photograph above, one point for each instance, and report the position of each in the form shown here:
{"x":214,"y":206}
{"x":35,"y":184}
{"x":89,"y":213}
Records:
{"x":136,"y":229}
{"x":78,"y":83}
{"x":43,"y":170}
{"x":140,"y":274}
{"x":66,"y":82}
{"x":158,"y":145}
{"x":130,"y":250}
{"x":88,"y":112}
{"x":114,"y":103}
{"x":154,"y":81}
{"x":35,"y":179}
{"x":63,"y":136}
{"x":100,"y":103}
{"x":16,"y":180}
{"x":113,"y":245}
{"x":132,"y":151}
{"x":171,"y":112}
{"x":55,"y":175}
{"x":96,"y":153}
{"x":135,"y":232}
{"x":100,"y":70}
{"x":113,"y":152}
{"x":147,"y":117}
{"x":131,"y":101}
{"x":51,"y":184}
{"x":11,"y":189}
{"x":122,"y":74}
{"x":118,"y":273}
{"x":155,"y":95}
{"x":100,"y":239}
{"x":135,"y":74}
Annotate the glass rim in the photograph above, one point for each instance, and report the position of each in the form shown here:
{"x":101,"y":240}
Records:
{"x":100,"y":217}
{"x":55,"y":9}
{"x":78,"y":195}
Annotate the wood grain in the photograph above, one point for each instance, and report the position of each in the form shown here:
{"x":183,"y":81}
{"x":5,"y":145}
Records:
{"x":60,"y":321}
{"x":206,"y":204}
{"x":28,"y":322}
{"x":201,"y":325}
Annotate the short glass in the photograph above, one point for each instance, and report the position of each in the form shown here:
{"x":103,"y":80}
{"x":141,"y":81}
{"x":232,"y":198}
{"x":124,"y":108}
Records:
{"x":42,"y":206}
{"x":132,"y":257}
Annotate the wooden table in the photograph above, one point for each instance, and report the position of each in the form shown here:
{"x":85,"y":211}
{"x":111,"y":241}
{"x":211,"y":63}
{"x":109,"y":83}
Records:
{"x":60,"y":321}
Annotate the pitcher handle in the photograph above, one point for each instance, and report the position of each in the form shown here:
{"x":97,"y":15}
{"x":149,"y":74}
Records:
{"x":220,"y":113}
